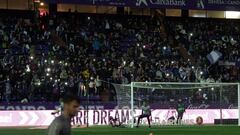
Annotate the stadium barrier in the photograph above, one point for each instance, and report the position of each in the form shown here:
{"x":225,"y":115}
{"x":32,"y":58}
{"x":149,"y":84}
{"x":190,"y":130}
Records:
{"x":101,"y":117}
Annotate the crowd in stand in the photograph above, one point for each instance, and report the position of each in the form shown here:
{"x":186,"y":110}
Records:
{"x":201,"y":36}
{"x":78,"y":52}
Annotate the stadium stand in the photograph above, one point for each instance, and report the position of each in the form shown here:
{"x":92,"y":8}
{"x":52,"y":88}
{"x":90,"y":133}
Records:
{"x":47,"y":56}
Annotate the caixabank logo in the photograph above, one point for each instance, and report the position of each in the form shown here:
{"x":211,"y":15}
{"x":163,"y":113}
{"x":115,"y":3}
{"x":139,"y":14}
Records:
{"x":141,"y":2}
{"x":161,"y":2}
{"x":200,"y":4}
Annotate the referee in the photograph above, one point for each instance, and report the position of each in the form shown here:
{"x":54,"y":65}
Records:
{"x":60,"y":108}
{"x":61,"y":125}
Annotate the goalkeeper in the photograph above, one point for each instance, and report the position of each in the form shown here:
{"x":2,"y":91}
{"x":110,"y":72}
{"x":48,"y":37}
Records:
{"x":146,"y":113}
{"x":180,"y":109}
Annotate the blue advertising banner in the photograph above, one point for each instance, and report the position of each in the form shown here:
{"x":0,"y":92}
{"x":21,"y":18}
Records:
{"x":233,"y":5}
{"x":180,"y":4}
{"x":157,"y":105}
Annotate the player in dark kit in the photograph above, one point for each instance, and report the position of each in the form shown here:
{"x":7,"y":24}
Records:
{"x":62,"y":125}
{"x":146,"y":113}
{"x":115,"y":122}
{"x":180,"y":109}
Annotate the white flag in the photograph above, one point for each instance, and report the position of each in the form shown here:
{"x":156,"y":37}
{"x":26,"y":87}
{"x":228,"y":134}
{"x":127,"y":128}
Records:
{"x":214,"y":56}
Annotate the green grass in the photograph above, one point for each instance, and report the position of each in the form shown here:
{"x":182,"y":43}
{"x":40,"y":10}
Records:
{"x":184,"y":130}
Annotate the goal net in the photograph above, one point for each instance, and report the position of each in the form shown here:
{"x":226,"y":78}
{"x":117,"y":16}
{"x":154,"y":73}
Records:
{"x":204,"y":103}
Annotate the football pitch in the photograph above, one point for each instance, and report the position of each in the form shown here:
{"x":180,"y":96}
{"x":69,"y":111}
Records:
{"x":166,"y":130}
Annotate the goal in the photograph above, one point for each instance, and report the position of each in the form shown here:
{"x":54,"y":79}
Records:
{"x":212,"y":103}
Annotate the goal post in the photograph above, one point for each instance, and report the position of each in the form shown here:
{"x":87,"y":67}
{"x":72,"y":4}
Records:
{"x":215,"y":103}
{"x":132,"y":105}
{"x":238,"y":104}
